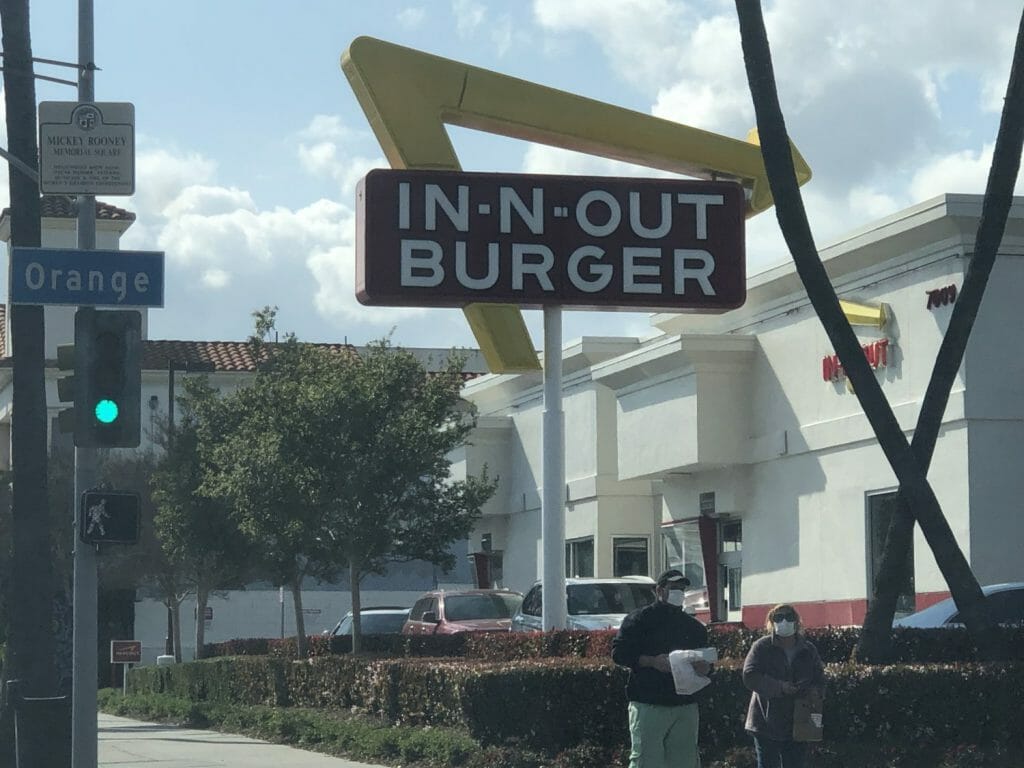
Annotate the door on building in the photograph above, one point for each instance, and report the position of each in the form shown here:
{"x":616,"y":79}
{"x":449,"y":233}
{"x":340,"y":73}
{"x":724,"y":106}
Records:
{"x":880,"y":510}
{"x":730,"y":568}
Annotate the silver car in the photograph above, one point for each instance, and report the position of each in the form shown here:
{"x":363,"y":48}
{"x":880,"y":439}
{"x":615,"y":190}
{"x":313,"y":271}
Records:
{"x":1006,"y":601}
{"x":591,"y":603}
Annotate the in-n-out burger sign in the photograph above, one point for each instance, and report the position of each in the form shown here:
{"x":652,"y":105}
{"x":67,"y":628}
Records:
{"x":877,"y":353}
{"x":443,"y":239}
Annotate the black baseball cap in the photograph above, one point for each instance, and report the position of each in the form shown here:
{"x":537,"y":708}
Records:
{"x":673,"y":577}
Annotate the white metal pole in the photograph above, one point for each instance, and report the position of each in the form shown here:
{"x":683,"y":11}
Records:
{"x":552,"y":510}
{"x":84,"y":660}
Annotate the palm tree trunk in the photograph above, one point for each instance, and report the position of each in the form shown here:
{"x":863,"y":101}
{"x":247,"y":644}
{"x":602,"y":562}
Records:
{"x":875,"y":640}
{"x":778,"y":160}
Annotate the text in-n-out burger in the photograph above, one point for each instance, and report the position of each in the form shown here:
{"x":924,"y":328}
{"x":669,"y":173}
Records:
{"x":447,"y":239}
{"x":876,"y":352}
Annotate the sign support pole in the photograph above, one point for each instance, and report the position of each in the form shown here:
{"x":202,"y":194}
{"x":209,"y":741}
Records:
{"x":552,"y":512}
{"x":84,"y":666}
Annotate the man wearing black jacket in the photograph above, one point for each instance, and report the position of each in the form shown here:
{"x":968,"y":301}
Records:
{"x":662,"y":724}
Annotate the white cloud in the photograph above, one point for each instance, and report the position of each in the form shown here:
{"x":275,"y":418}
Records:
{"x":965,"y":171}
{"x":334,"y":271}
{"x":469,"y":16}
{"x":161,"y":174}
{"x":873,"y":92}
{"x":323,"y":152}
{"x":411,"y":17}
{"x":541,"y":158}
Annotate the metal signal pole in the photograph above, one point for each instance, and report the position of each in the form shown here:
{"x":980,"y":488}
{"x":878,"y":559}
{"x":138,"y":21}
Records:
{"x":85,"y":671}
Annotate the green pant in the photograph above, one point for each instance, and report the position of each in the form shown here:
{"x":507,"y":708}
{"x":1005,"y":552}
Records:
{"x":663,"y":737}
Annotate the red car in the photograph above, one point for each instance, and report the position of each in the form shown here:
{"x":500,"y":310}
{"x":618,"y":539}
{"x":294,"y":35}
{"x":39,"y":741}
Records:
{"x":475,"y":610}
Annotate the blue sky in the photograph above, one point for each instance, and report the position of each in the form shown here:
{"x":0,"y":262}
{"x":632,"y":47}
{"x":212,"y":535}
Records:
{"x":249,"y":140}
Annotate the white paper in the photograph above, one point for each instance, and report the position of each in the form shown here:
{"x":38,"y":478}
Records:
{"x":684,"y":676}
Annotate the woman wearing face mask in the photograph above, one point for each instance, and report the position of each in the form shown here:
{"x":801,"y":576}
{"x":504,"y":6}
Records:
{"x":780,"y":666}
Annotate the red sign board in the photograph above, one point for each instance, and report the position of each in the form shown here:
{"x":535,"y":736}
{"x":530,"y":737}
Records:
{"x":125,"y":651}
{"x":447,"y":239}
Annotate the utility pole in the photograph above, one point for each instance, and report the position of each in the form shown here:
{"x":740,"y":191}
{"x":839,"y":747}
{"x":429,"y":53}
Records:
{"x":31,"y":648}
{"x":84,"y":668}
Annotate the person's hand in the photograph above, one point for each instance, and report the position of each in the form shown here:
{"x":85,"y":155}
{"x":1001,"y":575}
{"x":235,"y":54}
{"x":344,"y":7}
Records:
{"x":660,"y":663}
{"x":702,"y":668}
{"x":789,"y":689}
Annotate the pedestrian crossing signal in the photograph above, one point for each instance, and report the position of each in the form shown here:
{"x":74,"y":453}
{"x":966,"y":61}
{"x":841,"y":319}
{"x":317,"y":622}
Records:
{"x":109,"y":517}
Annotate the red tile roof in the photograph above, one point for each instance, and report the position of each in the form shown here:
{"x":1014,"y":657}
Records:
{"x":63,"y":207}
{"x":197,"y":356}
{"x":208,"y":355}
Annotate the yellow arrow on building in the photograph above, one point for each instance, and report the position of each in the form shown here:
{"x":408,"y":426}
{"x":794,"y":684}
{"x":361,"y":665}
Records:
{"x":864,"y":314}
{"x":408,"y":97}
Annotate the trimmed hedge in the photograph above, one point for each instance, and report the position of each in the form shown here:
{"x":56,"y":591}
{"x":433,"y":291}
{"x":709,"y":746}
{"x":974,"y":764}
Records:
{"x":834,"y":644}
{"x":557,"y":703}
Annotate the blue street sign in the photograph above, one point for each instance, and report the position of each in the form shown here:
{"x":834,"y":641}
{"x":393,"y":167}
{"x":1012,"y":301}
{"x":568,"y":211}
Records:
{"x":87,"y":278}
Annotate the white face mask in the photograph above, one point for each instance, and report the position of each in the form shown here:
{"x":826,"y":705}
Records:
{"x":675,"y":597}
{"x":785,"y":628}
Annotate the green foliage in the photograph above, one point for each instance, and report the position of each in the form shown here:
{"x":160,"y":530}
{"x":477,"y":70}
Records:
{"x":331,"y":461}
{"x":570,"y":703}
{"x":195,"y":531}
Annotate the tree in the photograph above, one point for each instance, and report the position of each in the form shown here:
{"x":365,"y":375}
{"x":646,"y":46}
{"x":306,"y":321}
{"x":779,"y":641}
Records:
{"x":388,"y":493}
{"x":126,"y":566}
{"x":196,"y":532}
{"x":329,"y":461}
{"x":909,"y":463}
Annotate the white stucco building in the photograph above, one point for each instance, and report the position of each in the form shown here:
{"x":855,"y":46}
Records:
{"x":731,"y":445}
{"x":261,"y":610}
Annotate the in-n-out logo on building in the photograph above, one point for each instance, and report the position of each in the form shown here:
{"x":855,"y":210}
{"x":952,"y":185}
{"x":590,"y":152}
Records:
{"x":877,"y":354}
{"x":430,"y":238}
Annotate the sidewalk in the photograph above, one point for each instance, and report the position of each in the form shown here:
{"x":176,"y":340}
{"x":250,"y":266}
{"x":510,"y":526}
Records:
{"x":131,"y":744}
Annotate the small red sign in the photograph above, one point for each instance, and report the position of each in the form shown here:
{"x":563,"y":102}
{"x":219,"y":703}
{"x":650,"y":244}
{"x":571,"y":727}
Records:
{"x":125,"y":651}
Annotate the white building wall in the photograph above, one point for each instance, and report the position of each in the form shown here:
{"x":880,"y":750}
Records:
{"x":788,"y":453}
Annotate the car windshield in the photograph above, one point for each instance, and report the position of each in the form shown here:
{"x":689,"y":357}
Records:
{"x":589,"y":599}
{"x":469,"y":607}
{"x":374,"y":624}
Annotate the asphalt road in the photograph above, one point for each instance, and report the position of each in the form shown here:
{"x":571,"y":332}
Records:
{"x":132,"y":744}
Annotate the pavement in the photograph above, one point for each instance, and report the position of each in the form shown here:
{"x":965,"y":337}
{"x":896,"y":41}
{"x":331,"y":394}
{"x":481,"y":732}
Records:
{"x":127,"y":743}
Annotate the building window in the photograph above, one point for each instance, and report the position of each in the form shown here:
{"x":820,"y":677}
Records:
{"x":579,"y":557}
{"x":880,"y":511}
{"x":681,"y":549}
{"x":730,"y":561}
{"x":629,"y":557}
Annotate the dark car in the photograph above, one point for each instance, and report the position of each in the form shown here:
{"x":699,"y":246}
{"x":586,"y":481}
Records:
{"x":382,"y":620}
{"x":476,"y":610}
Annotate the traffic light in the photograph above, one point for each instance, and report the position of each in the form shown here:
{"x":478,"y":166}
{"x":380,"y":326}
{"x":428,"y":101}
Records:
{"x":106,"y":386}
{"x":67,"y":386}
{"x":109,"y":517}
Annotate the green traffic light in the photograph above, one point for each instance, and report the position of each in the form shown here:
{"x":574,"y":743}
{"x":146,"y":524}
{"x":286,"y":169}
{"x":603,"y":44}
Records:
{"x":106,"y":411}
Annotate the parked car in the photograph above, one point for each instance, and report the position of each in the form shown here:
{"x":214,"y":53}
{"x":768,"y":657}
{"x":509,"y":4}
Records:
{"x":381,"y":620}
{"x":1006,"y":601}
{"x":695,"y":600}
{"x":591,"y":603}
{"x":476,"y":610}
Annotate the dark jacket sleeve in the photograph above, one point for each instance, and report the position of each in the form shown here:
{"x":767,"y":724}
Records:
{"x":755,"y":673}
{"x":818,"y":678}
{"x":626,"y":645}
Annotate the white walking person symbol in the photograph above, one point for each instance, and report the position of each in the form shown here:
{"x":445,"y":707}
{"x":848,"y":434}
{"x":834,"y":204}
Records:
{"x":97,"y":514}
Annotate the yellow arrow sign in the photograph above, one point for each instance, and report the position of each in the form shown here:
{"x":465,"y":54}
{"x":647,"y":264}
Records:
{"x":408,"y":96}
